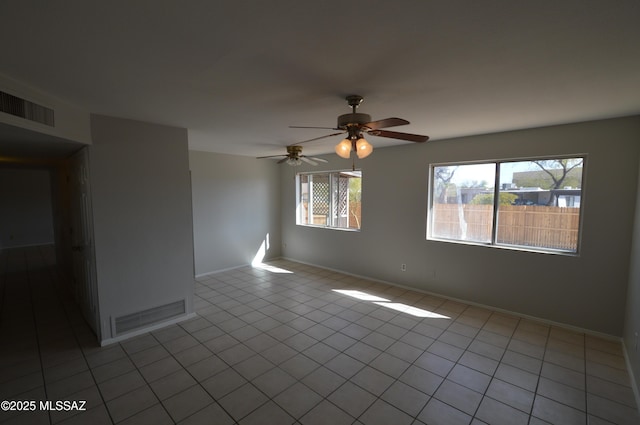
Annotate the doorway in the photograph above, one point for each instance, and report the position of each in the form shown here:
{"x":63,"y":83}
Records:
{"x":65,"y":164}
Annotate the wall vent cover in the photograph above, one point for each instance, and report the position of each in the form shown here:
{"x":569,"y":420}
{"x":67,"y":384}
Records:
{"x":23,"y":108}
{"x":148,"y":317}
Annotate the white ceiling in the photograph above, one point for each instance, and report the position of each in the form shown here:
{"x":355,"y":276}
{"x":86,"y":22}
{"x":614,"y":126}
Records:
{"x":237,"y":73}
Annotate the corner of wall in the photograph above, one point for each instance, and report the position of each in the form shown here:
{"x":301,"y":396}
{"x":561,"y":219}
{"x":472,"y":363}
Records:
{"x":631,"y":335}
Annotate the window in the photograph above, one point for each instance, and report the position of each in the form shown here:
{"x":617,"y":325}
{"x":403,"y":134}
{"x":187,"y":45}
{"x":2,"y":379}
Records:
{"x":329,"y":199}
{"x":528,"y":204}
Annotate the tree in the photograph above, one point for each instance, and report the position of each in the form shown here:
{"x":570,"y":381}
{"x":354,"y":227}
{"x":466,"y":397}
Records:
{"x":475,"y":183}
{"x":443,"y":176}
{"x":558,"y":170}
{"x":487,"y":199}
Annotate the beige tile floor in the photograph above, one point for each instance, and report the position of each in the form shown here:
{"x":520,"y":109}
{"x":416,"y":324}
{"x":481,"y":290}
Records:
{"x":282,"y":346}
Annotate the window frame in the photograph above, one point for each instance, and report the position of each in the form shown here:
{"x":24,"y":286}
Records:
{"x":493,"y":243}
{"x":332,"y":206}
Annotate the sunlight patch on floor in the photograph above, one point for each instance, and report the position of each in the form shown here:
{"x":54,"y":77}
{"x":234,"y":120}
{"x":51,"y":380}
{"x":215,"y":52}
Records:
{"x":259,"y":257}
{"x":403,"y":308}
{"x":270,"y":268}
{"x":360,"y":295}
{"x":414,"y":311}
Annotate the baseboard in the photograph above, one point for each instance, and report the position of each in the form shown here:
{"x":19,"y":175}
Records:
{"x":489,"y":307}
{"x":201,"y":275}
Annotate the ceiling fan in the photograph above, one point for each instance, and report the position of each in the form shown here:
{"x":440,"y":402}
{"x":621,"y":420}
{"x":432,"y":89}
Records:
{"x":294,"y":157}
{"x":356,"y":125}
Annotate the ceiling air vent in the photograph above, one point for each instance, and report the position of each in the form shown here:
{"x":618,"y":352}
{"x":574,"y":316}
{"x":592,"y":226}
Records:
{"x":23,"y":108}
{"x":148,"y":317}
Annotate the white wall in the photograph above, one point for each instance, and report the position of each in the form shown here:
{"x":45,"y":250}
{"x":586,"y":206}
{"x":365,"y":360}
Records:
{"x":236,"y":204}
{"x":142,"y":216}
{"x":25,"y":207}
{"x":586,"y":291}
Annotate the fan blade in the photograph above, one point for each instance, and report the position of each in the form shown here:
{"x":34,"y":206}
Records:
{"x":320,"y":128}
{"x":317,"y":159}
{"x":387,"y":122}
{"x":269,"y":156}
{"x":283,"y":160}
{"x":307,"y":160}
{"x":321,"y":137}
{"x":402,"y":136}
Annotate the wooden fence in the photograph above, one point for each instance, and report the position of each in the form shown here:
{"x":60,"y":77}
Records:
{"x":524,"y":225}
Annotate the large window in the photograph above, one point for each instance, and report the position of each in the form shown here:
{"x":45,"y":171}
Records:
{"x":329,"y":199}
{"x":530,"y":204}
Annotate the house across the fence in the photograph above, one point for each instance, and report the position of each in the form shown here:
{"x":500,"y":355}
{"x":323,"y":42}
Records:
{"x":567,"y":197}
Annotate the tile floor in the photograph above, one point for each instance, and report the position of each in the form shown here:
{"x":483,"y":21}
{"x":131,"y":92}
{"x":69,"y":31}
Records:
{"x":281,"y":346}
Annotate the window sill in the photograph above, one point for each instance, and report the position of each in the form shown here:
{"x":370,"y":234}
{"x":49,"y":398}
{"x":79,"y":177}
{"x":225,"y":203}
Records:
{"x":341,"y":229}
{"x":509,"y":247}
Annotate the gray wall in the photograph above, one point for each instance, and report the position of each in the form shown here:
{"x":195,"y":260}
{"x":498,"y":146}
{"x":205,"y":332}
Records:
{"x":142,"y":216}
{"x":587,"y":291}
{"x":236,"y":204}
{"x":25,"y":207}
{"x":632,"y":322}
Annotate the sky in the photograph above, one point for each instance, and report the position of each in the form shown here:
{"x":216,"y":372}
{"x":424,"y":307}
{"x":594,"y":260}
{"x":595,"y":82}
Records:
{"x":479,"y":172}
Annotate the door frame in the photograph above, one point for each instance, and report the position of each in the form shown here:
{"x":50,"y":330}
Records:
{"x":85,"y":288}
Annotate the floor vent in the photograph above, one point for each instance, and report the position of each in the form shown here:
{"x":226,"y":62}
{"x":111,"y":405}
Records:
{"x":23,"y":108}
{"x":148,"y":317}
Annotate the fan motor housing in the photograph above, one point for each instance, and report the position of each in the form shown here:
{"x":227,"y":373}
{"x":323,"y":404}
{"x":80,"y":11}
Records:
{"x":355,"y":118}
{"x":294,"y":150}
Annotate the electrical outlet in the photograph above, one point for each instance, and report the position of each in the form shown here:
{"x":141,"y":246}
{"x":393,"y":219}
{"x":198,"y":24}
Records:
{"x":403,"y":267}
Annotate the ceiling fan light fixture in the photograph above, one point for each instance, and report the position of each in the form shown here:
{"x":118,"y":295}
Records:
{"x":294,"y":162}
{"x":343,"y":149}
{"x":357,"y":124}
{"x":363,"y":148}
